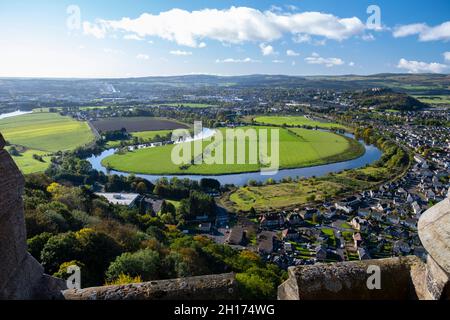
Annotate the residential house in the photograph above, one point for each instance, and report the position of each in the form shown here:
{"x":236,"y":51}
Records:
{"x":236,"y":236}
{"x":265,"y":241}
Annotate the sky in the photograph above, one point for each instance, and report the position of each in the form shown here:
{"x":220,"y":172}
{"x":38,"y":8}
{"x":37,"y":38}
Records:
{"x":135,"y":38}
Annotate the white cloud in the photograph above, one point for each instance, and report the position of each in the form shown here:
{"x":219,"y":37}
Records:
{"x":180,"y":53}
{"x":132,"y":37}
{"x":329,"y":62}
{"x":292,"y":53}
{"x":351,"y":64}
{"x":421,"y":67}
{"x":267,"y":50}
{"x":447,"y":56}
{"x":202,"y":45}
{"x":142,"y":56}
{"x":96,"y":30}
{"x":278,"y":61}
{"x":233,"y":25}
{"x":301,"y":38}
{"x":232,"y":60}
{"x":425,"y":32}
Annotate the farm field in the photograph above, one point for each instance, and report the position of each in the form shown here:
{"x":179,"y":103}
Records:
{"x":270,"y":197}
{"x":296,"y":121}
{"x":137,"y":124}
{"x":437,"y":100}
{"x":298,"y":148}
{"x":299,"y":193}
{"x":145,"y":135}
{"x":28,"y":164}
{"x":46,"y":132}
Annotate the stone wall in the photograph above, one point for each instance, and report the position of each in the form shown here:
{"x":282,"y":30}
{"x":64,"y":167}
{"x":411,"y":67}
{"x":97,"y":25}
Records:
{"x":21,"y":276}
{"x":217,"y":287}
{"x":348,"y":280}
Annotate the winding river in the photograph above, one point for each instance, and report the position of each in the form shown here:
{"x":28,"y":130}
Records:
{"x":13,"y":114}
{"x":371,"y":155}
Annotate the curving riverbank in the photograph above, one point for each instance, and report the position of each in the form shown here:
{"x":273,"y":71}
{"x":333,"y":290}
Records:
{"x":370,"y":155}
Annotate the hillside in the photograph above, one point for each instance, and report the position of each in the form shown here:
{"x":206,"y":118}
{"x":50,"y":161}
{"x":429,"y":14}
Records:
{"x":387,"y":99}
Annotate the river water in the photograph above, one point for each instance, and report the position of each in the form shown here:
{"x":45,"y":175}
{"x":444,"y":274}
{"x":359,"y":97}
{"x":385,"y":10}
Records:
{"x":13,"y":114}
{"x":371,"y":155}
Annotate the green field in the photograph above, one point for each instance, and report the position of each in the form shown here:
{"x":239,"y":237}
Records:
{"x":46,"y":132}
{"x":145,"y":135}
{"x":28,"y":164}
{"x":148,"y":135}
{"x":298,"y":148}
{"x":271,"y":197}
{"x":297,"y":121}
{"x":437,"y":99}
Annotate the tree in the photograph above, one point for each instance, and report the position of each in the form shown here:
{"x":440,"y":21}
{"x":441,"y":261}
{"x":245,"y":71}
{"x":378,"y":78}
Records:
{"x":37,"y":243}
{"x":59,"y":249}
{"x":141,"y":188}
{"x":144,"y":263}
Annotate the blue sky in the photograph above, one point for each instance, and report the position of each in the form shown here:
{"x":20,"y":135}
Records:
{"x":148,"y":37}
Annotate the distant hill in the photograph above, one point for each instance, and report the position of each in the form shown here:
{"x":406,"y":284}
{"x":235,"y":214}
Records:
{"x":384,"y":99}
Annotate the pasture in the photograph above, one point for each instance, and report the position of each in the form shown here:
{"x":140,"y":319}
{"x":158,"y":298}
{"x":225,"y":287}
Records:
{"x":43,"y":131}
{"x":137,"y":124}
{"x":143,"y":136}
{"x":441,"y":100}
{"x":296,"y":121}
{"x":28,"y":164}
{"x":298,"y":148}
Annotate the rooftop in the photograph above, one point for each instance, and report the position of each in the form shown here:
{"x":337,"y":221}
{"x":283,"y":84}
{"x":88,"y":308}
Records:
{"x":124,"y":199}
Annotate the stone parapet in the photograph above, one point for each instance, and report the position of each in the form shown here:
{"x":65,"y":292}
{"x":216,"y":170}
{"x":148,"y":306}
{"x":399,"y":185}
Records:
{"x":216,"y":287}
{"x":434,"y":232}
{"x":348,"y":280}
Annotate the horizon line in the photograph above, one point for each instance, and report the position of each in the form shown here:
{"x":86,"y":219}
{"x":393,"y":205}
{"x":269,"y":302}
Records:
{"x":219,"y":76}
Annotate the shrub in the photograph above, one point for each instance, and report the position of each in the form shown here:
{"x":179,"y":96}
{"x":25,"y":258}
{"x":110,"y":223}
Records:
{"x":144,"y":263}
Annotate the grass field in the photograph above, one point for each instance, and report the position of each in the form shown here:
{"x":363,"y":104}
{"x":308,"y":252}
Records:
{"x":28,"y":164}
{"x":298,"y":148}
{"x":296,"y":121}
{"x":46,"y":132}
{"x":299,"y":193}
{"x":145,"y":135}
{"x":137,"y":124}
{"x":437,"y":99}
{"x":271,"y":197}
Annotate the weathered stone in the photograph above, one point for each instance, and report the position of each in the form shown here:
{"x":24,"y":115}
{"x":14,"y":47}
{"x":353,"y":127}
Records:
{"x":21,"y":276}
{"x":2,"y":142}
{"x":348,"y":281}
{"x":434,"y":232}
{"x":217,"y":287}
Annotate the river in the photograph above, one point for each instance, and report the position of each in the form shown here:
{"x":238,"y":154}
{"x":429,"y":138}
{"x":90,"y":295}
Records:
{"x":13,"y":114}
{"x":371,"y":155}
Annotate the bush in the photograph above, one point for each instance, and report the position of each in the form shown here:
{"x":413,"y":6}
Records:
{"x":144,"y":263}
{"x":37,"y":243}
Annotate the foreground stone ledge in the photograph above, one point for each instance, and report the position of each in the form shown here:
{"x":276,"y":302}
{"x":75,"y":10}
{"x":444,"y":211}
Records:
{"x":434,"y":233}
{"x":209,"y":287}
{"x":348,"y":280}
